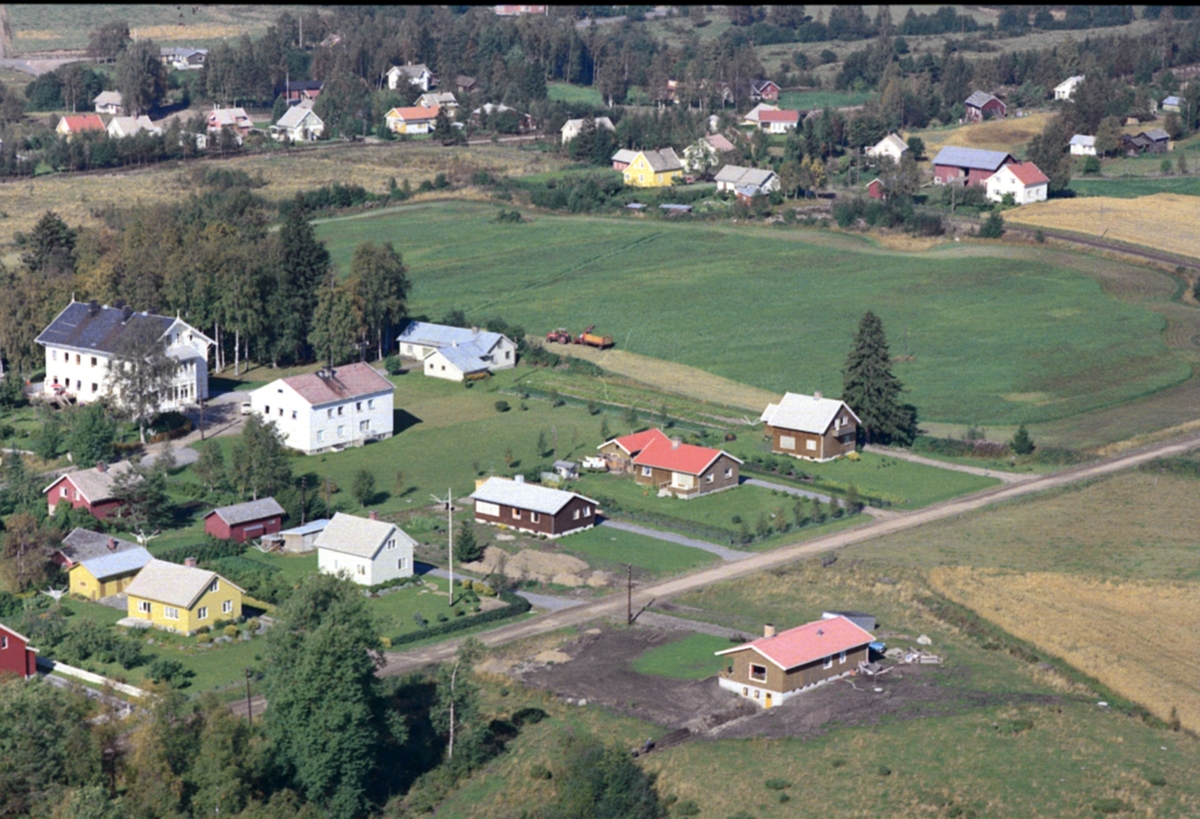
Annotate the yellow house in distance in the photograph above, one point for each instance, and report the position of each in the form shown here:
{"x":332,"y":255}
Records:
{"x":99,"y":565}
{"x":181,"y":598}
{"x":653,"y":169}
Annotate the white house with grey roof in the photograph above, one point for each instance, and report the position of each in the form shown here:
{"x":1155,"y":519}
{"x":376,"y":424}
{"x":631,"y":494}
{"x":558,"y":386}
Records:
{"x":122,"y":127}
{"x":330,"y":409}
{"x":368,"y":551}
{"x":1083,"y":145}
{"x":571,"y":128}
{"x":299,"y":124}
{"x":418,"y":75}
{"x":891,"y":146}
{"x":456,"y":353}
{"x":85,"y":337}
{"x":109,"y":102}
{"x":758,"y":180}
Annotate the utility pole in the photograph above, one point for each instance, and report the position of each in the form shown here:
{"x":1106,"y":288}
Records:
{"x":303,"y":503}
{"x":449,"y":501}
{"x":249,"y":712}
{"x":629,"y":597}
{"x":453,"y":675}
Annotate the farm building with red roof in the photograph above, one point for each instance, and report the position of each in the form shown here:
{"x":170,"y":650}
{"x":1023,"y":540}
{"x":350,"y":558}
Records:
{"x":684,"y":470}
{"x":775,"y":667}
{"x":16,"y":657}
{"x":779,"y":121}
{"x":78,"y":123}
{"x":1024,"y":180}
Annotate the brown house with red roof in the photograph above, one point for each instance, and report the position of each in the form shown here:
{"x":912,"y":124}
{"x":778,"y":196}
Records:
{"x":775,"y":667}
{"x":671,"y":466}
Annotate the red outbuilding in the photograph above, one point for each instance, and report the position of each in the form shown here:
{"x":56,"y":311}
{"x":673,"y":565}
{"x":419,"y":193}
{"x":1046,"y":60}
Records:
{"x":875,"y":189}
{"x":245,"y":521}
{"x":92,"y":489}
{"x":16,"y":657}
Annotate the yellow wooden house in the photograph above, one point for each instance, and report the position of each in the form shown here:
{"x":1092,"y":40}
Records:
{"x":182,"y":598}
{"x":99,"y":565}
{"x":653,"y":169}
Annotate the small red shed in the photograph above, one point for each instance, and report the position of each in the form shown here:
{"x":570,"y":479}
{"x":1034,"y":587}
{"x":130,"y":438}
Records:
{"x":875,"y":189}
{"x":16,"y":657}
{"x":245,"y":521}
{"x":92,"y":489}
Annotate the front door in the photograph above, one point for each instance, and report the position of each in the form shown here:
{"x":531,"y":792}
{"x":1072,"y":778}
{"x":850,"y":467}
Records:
{"x":767,"y":703}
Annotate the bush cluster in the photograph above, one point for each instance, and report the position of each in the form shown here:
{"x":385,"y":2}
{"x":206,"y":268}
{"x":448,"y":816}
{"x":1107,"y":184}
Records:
{"x":516,"y":605}
{"x":896,"y":213}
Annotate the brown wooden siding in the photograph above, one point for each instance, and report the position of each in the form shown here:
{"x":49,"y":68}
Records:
{"x":618,"y":459}
{"x":780,"y":681}
{"x":827,"y":445}
{"x":562,"y":523}
{"x":658,"y":477}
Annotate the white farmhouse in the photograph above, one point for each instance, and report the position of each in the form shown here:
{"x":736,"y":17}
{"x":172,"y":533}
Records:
{"x":572,"y":127}
{"x":1083,"y":145}
{"x":85,"y":337}
{"x":418,"y":75}
{"x":299,"y":124}
{"x":328,"y":409}
{"x":1066,"y":89}
{"x":456,"y":353}
{"x":758,"y":180}
{"x":368,"y":551}
{"x":1024,"y":180}
{"x":891,"y":146}
{"x":121,"y":127}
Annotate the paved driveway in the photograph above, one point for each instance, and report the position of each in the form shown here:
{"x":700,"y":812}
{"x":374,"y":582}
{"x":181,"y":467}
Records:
{"x":723,"y":552}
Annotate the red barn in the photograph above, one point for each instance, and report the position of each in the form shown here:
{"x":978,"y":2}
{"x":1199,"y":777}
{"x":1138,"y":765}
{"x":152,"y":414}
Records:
{"x":972,"y":165}
{"x":245,"y":521}
{"x":981,"y":105}
{"x":16,"y":657}
{"x":88,"y":488}
{"x":875,"y":189}
{"x":763,"y":90}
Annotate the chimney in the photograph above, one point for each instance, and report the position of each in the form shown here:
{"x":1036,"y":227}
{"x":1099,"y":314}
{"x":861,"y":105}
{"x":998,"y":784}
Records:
{"x":112,"y":544}
{"x":93,"y":307}
{"x":190,"y":562}
{"x":126,"y":313}
{"x":817,"y":395}
{"x":101,"y":466}
{"x":373,"y":514}
{"x":769,"y":630}
{"x":519,"y":478}
{"x":676,"y":443}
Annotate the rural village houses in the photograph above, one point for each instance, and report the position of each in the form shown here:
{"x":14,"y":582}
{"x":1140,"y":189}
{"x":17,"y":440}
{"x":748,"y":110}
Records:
{"x":299,"y":124}
{"x":298,"y":539}
{"x":670,"y":466}
{"x":746,"y":181}
{"x":982,"y":105}
{"x":776,"y":667}
{"x":653,"y":169}
{"x":811,"y":426}
{"x":415,"y":119}
{"x":245,"y":521}
{"x":180,"y":598}
{"x":891,"y":146}
{"x":1023,"y":180}
{"x":456,"y":353}
{"x":122,"y":127}
{"x":572,"y":127}
{"x":418,"y":75}
{"x":109,"y":102}
{"x":99,"y":565}
{"x":92,"y":489}
{"x":16,"y":657}
{"x":85,"y":337}
{"x":368,"y":551}
{"x":1066,"y":89}
{"x":526,"y":507}
{"x":328,"y":410}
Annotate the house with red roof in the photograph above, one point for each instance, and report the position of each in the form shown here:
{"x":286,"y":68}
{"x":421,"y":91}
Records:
{"x":1024,"y":180}
{"x":671,"y":466}
{"x":620,"y":452}
{"x":16,"y":657}
{"x":779,"y":121}
{"x":416,"y":119}
{"x":776,"y":667}
{"x":73,"y":124}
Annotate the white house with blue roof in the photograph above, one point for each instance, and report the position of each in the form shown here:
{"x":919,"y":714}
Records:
{"x":456,"y":353}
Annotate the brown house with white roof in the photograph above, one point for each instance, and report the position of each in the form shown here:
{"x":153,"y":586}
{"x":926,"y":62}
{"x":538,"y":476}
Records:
{"x":811,"y":427}
{"x":776,"y":667}
{"x":527,"y":507}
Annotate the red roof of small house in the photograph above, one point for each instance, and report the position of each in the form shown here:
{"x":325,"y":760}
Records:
{"x":84,"y":122}
{"x":678,"y":457}
{"x":808,"y":643}
{"x":782,"y":115}
{"x":635,"y":443}
{"x":416,"y":113}
{"x":1028,"y":173}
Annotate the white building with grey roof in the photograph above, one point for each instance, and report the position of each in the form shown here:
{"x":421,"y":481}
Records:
{"x":368,"y":551}
{"x":732,"y":177}
{"x":456,"y":353}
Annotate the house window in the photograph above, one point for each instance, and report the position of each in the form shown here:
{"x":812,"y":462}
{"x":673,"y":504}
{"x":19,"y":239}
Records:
{"x":729,"y":472}
{"x":400,"y":563}
{"x":62,"y":491}
{"x":202,"y":613}
{"x":93,"y":361}
{"x":227,"y":607}
{"x":516,"y":514}
{"x":170,"y":613}
{"x":810,"y":444}
{"x":340,"y":410}
{"x":329,"y":412}
{"x":709,"y":478}
{"x":364,"y":426}
{"x":213,"y":586}
{"x":758,"y":672}
{"x":281,"y":412}
{"x":647,"y":472}
{"x":266,"y":409}
{"x":78,"y":358}
{"x":391,"y":544}
{"x":828,"y":662}
{"x":534,"y":517}
{"x":294,"y":416}
{"x":842,"y":658}
{"x":576,"y":515}
{"x":362,"y":569}
{"x":320,"y":435}
{"x":358,"y":406}
{"x":54,"y":355}
{"x":143,"y":607}
{"x":370,"y":403}
{"x":787,"y":442}
{"x":587,"y":511}
{"x":341,"y":431}
{"x":507,"y":355}
{"x":3,"y":642}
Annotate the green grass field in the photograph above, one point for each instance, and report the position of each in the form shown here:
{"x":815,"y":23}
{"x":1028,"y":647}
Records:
{"x":1134,"y":187}
{"x":808,"y":100}
{"x":605,"y":548}
{"x":995,"y":335}
{"x":691,"y":658}
{"x":567,"y":92}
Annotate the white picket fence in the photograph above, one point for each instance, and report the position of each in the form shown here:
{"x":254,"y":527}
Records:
{"x":55,"y":667}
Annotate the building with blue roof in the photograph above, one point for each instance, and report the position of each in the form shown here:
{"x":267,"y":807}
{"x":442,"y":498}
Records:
{"x":456,"y":353}
{"x":100,"y":565}
{"x":971,"y":166}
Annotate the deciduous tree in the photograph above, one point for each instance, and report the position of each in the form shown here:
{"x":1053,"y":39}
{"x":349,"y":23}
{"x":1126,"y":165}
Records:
{"x":140,"y":77}
{"x":381,"y":286}
{"x":335,"y":324}
{"x":141,"y":374}
{"x":92,"y":435}
{"x":260,"y":460}
{"x":26,"y":555}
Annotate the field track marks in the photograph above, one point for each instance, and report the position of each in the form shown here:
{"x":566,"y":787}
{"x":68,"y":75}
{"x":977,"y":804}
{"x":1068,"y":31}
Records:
{"x":615,"y":605}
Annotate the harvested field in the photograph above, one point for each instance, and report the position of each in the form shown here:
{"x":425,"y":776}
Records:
{"x":1137,"y":221}
{"x":1137,"y":638}
{"x":995,"y":135}
{"x":76,"y":196}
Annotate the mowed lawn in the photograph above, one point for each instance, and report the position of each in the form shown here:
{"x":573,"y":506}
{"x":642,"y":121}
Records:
{"x":692,"y":658}
{"x":605,"y":548}
{"x":993,"y":335}
{"x":1133,"y":187}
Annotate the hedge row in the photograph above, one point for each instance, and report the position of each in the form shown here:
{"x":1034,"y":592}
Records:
{"x":516,"y":605}
{"x":213,"y":550}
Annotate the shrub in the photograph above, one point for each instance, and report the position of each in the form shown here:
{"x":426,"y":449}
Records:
{"x":1110,"y":805}
{"x":502,"y":406}
{"x":442,"y":617}
{"x":528,"y":716}
{"x":687,"y":808}
{"x":992,"y":227}
{"x":253,"y":624}
{"x":516,"y":605}
{"x":777,"y":784}
{"x":1091,"y":165}
{"x":204,"y":639}
{"x":883,"y":770}
{"x":540,"y":771}
{"x":230,"y":631}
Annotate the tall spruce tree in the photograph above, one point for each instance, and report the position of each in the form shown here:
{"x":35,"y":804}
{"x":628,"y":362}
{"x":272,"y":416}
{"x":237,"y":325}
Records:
{"x":870,"y":388}
{"x":301,"y":267}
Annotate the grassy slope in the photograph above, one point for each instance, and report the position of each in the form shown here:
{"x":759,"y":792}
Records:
{"x":998,"y":335}
{"x":807,"y":100}
{"x":1133,"y":188}
{"x":611,"y":549}
{"x":566,"y":92}
{"x":691,"y":658}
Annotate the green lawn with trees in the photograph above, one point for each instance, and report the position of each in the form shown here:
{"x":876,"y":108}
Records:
{"x":981,"y":334}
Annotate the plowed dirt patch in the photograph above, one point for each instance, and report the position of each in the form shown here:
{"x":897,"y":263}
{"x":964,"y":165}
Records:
{"x":1137,"y":638}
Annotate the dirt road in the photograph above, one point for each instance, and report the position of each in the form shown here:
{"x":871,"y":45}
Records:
{"x":614,"y":606}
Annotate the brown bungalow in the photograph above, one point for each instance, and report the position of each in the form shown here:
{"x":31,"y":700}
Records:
{"x":775,"y":667}
{"x":538,"y":510}
{"x":811,"y":427}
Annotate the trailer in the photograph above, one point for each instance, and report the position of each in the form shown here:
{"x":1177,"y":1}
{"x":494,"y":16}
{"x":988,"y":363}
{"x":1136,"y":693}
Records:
{"x":590,"y":339}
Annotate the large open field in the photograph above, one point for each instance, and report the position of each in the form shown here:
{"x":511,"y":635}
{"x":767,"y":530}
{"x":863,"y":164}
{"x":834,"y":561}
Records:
{"x":1133,"y":187}
{"x":1137,"y":221}
{"x":989,"y":334}
{"x":994,"y":135}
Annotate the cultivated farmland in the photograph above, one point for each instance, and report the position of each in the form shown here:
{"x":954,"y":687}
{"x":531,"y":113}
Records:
{"x":1009,"y":134}
{"x":1137,"y":638}
{"x":1164,"y":221}
{"x":989,"y":334}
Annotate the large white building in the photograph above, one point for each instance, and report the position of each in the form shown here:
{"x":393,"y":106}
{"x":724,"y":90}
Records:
{"x":456,"y":353}
{"x":369,"y":551}
{"x":328,"y":409}
{"x":1024,"y":180}
{"x":85,"y":337}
